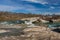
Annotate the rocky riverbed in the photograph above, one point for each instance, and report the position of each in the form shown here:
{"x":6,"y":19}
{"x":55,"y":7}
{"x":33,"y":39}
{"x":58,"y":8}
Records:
{"x":30,"y":33}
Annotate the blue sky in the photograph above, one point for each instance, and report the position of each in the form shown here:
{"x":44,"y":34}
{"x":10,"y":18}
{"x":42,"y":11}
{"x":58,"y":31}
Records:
{"x":31,"y":6}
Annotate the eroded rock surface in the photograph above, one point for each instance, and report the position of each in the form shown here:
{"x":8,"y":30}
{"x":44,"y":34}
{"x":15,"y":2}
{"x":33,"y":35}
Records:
{"x":42,"y":33}
{"x":34,"y":33}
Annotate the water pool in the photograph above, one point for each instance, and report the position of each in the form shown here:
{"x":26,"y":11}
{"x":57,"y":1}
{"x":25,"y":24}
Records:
{"x":53,"y":25}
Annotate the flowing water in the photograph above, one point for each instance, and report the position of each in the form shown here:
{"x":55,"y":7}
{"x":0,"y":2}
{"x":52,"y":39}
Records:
{"x":12,"y":22}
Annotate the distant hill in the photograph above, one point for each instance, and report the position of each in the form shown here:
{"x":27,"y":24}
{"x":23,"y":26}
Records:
{"x":15,"y":16}
{"x":18,"y":16}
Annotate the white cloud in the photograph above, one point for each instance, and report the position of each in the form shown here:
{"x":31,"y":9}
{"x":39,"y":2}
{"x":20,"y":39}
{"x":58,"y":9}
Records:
{"x":38,"y":1}
{"x":16,"y":6}
{"x":57,"y":13}
{"x":44,"y":2}
{"x":21,"y":7}
{"x":52,"y":7}
{"x":27,"y":7}
{"x":8,"y":8}
{"x":47,"y":13}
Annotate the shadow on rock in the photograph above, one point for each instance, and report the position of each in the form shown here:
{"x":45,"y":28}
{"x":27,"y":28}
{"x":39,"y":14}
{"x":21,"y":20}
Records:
{"x":14,"y":32}
{"x":56,"y":30}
